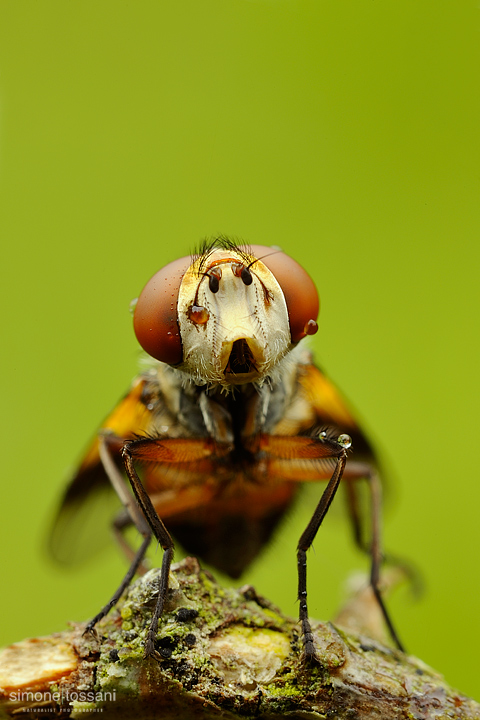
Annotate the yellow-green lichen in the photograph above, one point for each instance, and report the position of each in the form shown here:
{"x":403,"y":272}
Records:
{"x":286,"y":690}
{"x":126,"y":612}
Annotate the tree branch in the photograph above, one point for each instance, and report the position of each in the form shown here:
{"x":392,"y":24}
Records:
{"x":223,"y":653}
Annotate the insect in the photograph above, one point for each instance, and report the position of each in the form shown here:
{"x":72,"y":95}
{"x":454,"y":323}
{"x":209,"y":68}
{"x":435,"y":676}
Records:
{"x":226,"y":422}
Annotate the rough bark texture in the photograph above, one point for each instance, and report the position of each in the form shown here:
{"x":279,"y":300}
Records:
{"x":222,"y":654}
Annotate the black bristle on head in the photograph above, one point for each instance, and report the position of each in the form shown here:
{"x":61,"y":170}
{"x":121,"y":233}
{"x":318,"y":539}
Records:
{"x":221,"y":242}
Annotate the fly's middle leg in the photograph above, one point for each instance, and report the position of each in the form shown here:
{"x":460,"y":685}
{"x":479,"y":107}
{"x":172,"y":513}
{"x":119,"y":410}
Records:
{"x":357,"y":471}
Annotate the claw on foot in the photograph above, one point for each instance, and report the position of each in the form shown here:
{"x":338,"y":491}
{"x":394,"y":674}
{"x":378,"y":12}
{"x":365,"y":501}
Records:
{"x":90,"y":629}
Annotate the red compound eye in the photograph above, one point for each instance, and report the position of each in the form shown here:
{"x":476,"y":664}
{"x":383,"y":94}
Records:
{"x":155,"y":320}
{"x":298,"y":288}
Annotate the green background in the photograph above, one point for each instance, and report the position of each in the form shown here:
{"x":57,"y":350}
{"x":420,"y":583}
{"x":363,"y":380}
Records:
{"x":347,"y":133}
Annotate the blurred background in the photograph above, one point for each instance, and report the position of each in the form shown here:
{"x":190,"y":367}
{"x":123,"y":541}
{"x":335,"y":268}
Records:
{"x":346,"y":133}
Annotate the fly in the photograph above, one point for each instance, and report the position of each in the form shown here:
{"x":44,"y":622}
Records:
{"x":230,"y":417}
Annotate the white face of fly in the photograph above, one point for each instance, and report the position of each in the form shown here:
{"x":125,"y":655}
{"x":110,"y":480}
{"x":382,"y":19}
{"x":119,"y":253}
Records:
{"x":233,"y":320}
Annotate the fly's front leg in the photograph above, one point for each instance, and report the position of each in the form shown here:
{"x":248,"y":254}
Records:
{"x":339,"y":449}
{"x":161,"y":534}
{"x":177,"y":452}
